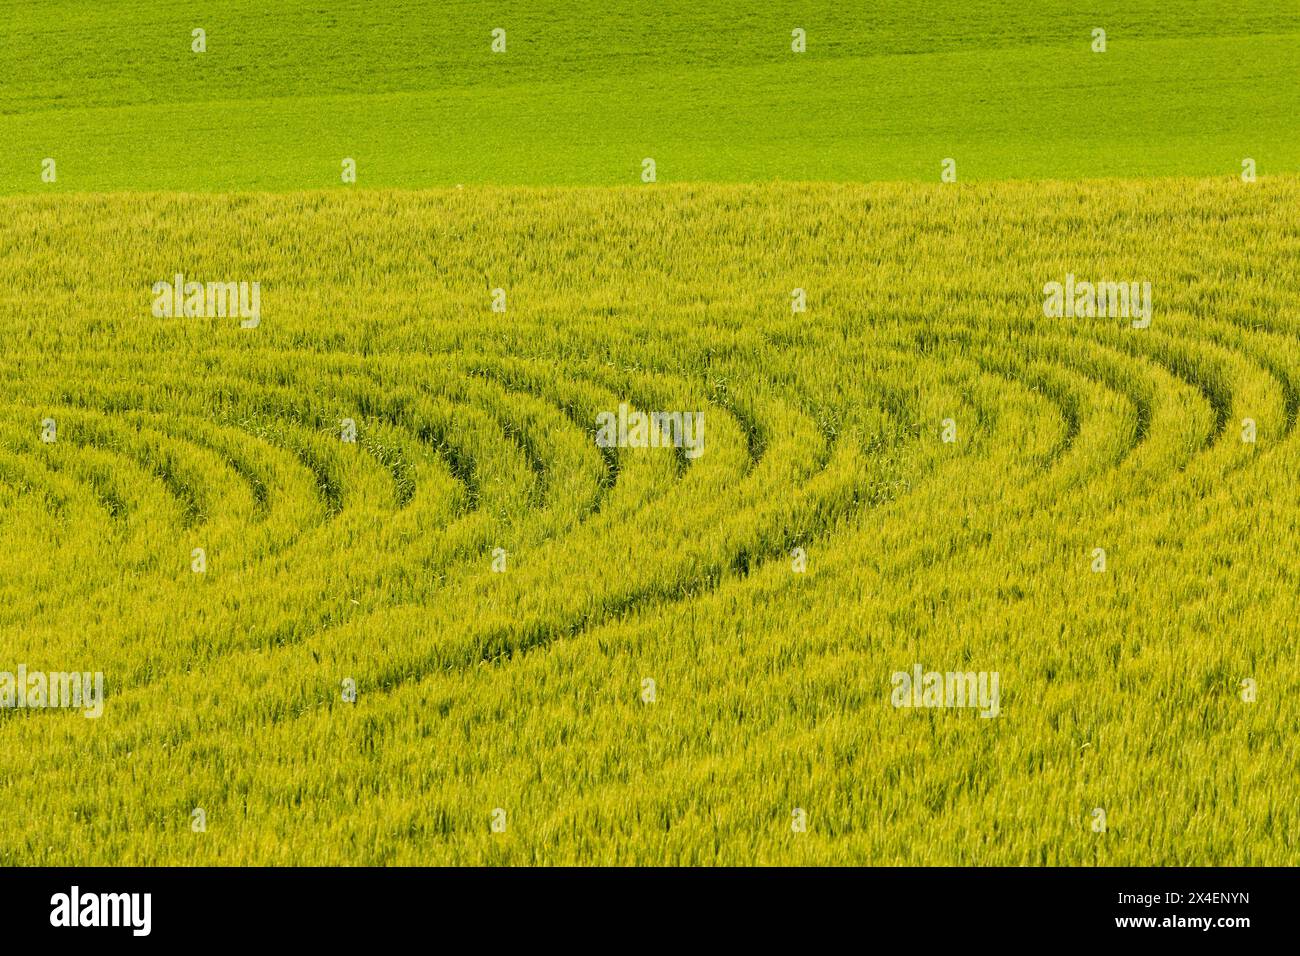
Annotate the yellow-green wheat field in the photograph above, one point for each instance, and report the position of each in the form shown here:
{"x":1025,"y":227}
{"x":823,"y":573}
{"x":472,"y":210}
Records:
{"x":499,"y":589}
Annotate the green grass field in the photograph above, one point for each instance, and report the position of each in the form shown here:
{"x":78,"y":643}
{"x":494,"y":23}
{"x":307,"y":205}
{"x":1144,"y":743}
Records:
{"x":498,"y":587}
{"x":582,"y":94}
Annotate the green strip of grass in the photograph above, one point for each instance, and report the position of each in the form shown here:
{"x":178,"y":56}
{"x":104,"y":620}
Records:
{"x":583,"y":95}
